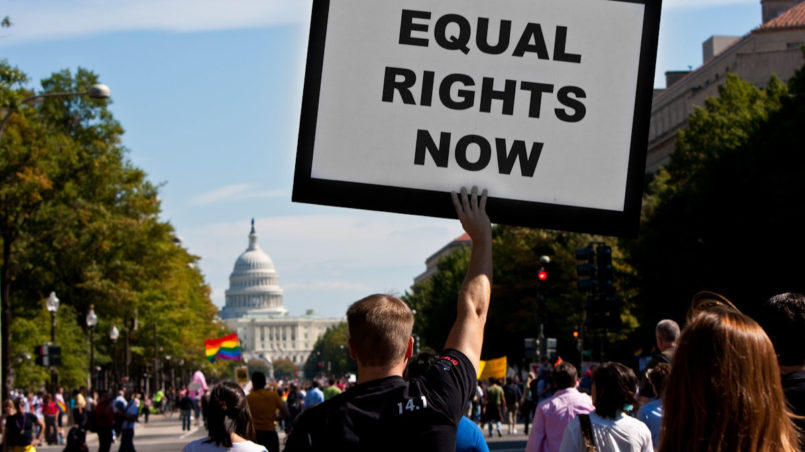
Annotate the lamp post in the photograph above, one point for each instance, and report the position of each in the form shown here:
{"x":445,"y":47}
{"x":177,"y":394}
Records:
{"x":114,"y":334}
{"x":52,"y":306}
{"x":92,"y":320}
{"x":97,"y":91}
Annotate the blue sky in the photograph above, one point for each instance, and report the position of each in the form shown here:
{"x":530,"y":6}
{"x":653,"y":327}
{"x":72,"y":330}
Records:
{"x":209,"y":93}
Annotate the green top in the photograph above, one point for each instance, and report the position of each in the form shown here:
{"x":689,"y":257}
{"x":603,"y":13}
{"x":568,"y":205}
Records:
{"x":330,"y":392}
{"x":158,"y":396}
{"x":494,"y":395}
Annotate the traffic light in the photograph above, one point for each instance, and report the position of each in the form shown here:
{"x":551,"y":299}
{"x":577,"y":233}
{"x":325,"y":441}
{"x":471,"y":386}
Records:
{"x":542,"y":275}
{"x":586,"y":271}
{"x":604,"y":268}
{"x":575,"y":332}
{"x":416,"y":344}
{"x":48,"y":355}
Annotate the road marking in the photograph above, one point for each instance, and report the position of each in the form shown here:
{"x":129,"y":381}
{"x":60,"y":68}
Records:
{"x":195,"y":429}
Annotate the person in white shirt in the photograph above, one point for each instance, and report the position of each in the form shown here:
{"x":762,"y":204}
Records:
{"x":610,"y":429}
{"x":229,"y":423}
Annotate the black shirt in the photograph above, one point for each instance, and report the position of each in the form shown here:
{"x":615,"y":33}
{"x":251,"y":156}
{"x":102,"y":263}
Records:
{"x":390,"y":414}
{"x":19,"y":429}
{"x":794,"y":389}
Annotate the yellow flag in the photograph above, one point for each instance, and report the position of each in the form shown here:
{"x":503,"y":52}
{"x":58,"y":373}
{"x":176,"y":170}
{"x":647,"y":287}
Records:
{"x":494,"y":368}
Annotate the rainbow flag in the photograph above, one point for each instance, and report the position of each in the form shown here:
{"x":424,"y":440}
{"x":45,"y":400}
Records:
{"x":227,"y":347}
{"x":558,"y":361}
{"x":61,"y":407}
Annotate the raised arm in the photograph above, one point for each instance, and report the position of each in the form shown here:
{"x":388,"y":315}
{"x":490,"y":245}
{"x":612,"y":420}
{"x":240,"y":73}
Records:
{"x":467,"y":333}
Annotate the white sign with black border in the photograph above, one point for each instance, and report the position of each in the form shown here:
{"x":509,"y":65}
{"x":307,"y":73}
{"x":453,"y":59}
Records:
{"x":545,"y":103}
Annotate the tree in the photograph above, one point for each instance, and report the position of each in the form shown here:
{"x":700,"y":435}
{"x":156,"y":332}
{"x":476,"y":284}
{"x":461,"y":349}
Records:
{"x":725,"y":214}
{"x":513,"y":310}
{"x":285,"y":369}
{"x":330,"y":355}
{"x":77,"y":218}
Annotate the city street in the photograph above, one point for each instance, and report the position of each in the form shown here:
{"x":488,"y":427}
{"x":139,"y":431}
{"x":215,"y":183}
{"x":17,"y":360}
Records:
{"x":164,"y":434}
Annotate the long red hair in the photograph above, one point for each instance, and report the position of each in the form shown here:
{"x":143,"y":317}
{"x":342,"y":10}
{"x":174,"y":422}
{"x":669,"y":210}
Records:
{"x":724,"y":391}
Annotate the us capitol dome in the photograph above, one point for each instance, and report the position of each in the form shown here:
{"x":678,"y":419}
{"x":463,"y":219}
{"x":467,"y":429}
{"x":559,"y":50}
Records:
{"x":253,"y":285}
{"x":254,"y":310}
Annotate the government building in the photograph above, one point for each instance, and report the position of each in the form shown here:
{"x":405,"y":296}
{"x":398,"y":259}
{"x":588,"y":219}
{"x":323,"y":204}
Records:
{"x":774,"y":47}
{"x":254,"y":310}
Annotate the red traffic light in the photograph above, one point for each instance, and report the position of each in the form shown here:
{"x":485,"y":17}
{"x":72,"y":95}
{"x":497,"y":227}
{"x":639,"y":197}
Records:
{"x":542,"y":275}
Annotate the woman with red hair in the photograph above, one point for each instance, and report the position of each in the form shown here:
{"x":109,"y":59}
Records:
{"x":724,"y":391}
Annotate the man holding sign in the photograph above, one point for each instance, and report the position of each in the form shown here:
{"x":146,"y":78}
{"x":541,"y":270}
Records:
{"x":385,"y":412}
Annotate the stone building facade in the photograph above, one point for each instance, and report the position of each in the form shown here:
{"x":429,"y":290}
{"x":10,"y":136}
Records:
{"x":772,"y":48}
{"x":254,"y":309}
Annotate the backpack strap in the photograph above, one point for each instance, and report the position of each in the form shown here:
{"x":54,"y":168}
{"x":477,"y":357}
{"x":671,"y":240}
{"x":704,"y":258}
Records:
{"x":587,"y":432}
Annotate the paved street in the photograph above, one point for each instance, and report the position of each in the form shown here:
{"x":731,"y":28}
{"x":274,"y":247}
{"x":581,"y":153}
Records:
{"x":164,"y":434}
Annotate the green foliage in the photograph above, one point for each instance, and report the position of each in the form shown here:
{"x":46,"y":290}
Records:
{"x":332,"y":351}
{"x":285,"y":369}
{"x":82,"y":221}
{"x":725,"y":214}
{"x":513,"y":310}
{"x":258,"y":365}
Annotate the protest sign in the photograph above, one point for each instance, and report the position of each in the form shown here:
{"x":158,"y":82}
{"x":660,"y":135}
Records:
{"x":545,"y":103}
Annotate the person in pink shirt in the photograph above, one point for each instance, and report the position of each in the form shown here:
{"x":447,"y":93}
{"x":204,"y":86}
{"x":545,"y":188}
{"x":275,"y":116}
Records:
{"x":552,"y":415}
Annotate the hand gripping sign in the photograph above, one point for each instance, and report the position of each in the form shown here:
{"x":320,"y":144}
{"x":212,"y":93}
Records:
{"x":545,"y":103}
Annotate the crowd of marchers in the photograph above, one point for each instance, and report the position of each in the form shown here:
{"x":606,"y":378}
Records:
{"x":723,"y":382}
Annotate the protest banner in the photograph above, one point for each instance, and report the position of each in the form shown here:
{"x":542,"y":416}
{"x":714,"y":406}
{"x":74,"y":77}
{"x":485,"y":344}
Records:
{"x":545,"y":103}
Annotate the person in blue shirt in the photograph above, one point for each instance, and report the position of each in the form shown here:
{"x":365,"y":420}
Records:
{"x":314,"y":395}
{"x":651,"y":413}
{"x":470,"y":437}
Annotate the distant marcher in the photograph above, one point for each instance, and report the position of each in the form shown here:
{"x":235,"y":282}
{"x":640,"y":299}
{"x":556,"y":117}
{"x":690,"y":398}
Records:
{"x":127,"y":429}
{"x":724,"y":391}
{"x":295,"y":402}
{"x":50,"y":412}
{"x":104,"y":421}
{"x":229,"y":423}
{"x":263,"y":405}
{"x":119,"y":404}
{"x":19,"y":432}
{"x":314,"y":395}
{"x":553,"y":414}
{"x":62,"y":404}
{"x":651,"y":413}
{"x":76,"y":440}
{"x":609,"y":428}
{"x":666,"y":334}
{"x":512,"y":394}
{"x":186,"y":410}
{"x":494,"y":406}
{"x":783,"y":318}
{"x":80,"y":406}
{"x":158,"y":399}
{"x":528,"y":404}
{"x":330,"y":390}
{"x":545,"y":387}
{"x":197,"y":388}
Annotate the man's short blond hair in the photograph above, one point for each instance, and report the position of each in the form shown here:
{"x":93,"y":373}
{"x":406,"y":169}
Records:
{"x":379,"y":329}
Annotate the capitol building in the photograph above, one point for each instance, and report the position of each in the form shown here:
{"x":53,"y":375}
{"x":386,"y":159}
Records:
{"x":254,"y":310}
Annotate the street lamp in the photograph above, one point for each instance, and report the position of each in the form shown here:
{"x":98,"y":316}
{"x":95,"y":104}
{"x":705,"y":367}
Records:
{"x":96,"y":91}
{"x":114,"y":334}
{"x":92,"y":320}
{"x":52,"y":306}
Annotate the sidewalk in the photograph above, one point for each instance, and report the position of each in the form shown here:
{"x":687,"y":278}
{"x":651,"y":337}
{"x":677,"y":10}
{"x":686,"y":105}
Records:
{"x":160,"y":433}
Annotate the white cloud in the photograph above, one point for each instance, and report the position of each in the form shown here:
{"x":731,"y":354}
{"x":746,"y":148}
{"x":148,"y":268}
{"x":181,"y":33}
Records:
{"x":55,"y":19}
{"x":236,"y":192}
